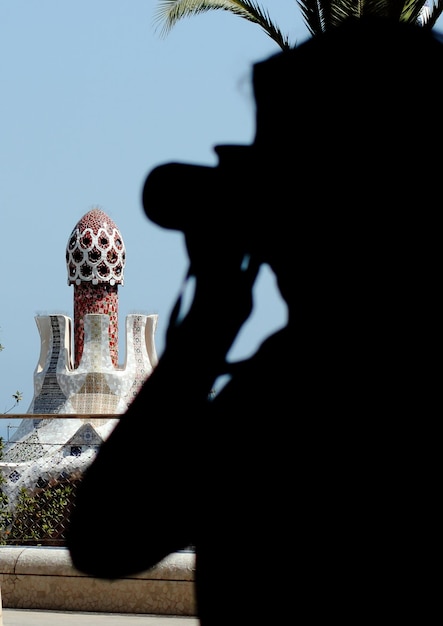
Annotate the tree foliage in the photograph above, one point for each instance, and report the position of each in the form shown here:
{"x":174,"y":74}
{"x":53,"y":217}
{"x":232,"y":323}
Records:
{"x":318,"y":15}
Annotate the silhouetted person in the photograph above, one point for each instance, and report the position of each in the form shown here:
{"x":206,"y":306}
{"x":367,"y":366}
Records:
{"x":297,"y":482}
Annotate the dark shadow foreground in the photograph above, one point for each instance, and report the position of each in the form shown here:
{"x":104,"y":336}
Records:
{"x":304,"y":484}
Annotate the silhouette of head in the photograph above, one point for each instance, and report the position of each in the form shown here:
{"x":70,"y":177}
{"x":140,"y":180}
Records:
{"x":339,"y":123}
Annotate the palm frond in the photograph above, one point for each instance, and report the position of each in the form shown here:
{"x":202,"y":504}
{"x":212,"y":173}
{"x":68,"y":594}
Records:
{"x":321,"y":15}
{"x":169,"y":12}
{"x":431,"y":12}
{"x":411,"y":11}
{"x":312,"y":14}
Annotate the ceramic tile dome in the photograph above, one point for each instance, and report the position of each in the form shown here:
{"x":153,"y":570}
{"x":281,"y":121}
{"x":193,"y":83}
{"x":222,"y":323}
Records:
{"x":95,"y":251}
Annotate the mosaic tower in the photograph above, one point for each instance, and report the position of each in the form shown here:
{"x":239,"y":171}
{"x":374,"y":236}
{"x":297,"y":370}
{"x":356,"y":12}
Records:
{"x":78,"y":372}
{"x":95,"y":257}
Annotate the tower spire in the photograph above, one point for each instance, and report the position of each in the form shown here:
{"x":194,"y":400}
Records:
{"x":95,"y":259}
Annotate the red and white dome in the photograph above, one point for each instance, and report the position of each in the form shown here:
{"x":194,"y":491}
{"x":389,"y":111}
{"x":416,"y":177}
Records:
{"x":95,"y":252}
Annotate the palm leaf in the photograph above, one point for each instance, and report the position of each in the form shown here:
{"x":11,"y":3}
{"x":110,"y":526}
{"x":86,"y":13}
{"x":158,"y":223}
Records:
{"x":169,"y":12}
{"x":322,"y":15}
{"x":432,"y":13}
{"x":319,"y":15}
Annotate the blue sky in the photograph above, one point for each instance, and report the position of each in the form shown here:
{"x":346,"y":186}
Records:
{"x":92,"y":98}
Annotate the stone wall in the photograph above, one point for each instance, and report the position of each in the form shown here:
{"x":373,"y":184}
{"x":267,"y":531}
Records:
{"x":44,"y":578}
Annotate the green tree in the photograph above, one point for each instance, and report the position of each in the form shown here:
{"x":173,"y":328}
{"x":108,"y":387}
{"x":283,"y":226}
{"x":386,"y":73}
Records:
{"x":318,"y":15}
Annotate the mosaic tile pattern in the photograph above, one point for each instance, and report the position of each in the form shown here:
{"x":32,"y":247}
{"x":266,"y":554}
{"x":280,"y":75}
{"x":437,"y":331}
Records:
{"x":48,"y":396}
{"x":101,"y":299}
{"x":47,"y":454}
{"x":96,"y":386}
{"x":141,"y":355}
{"x":95,"y":251}
{"x":95,"y":259}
